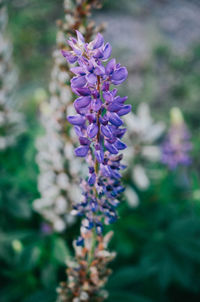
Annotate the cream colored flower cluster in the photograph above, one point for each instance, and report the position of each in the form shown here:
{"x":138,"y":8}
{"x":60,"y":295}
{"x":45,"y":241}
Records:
{"x":59,"y":169}
{"x":141,"y":138}
{"x":11,"y":124}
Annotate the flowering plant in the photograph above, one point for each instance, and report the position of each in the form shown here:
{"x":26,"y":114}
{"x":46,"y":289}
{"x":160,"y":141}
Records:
{"x":98,"y":126}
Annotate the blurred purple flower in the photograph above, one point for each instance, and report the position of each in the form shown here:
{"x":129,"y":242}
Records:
{"x":177,"y":146}
{"x":46,"y":228}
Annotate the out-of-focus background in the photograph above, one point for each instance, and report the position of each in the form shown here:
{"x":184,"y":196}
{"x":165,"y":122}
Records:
{"x":157,"y":237}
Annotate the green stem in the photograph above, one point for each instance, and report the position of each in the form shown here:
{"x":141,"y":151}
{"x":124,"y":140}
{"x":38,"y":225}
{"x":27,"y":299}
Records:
{"x":92,"y":250}
{"x":94,"y":236}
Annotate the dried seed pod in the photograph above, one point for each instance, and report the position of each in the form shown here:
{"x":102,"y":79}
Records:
{"x":86,"y":275}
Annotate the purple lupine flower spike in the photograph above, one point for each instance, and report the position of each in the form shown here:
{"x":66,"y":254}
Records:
{"x":177,"y":146}
{"x":99,"y":126}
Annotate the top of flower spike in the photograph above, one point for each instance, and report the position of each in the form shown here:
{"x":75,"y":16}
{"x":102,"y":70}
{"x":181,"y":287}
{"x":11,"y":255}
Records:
{"x":93,"y":54}
{"x":95,"y":48}
{"x":176,"y":116}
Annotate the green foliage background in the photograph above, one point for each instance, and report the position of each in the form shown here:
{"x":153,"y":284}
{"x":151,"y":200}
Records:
{"x":158,"y":243}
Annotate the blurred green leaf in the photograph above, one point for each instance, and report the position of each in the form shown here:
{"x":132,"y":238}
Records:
{"x":29,"y":257}
{"x":60,"y":250}
{"x":49,"y":275}
{"x":43,"y":296}
{"x":120,"y":296}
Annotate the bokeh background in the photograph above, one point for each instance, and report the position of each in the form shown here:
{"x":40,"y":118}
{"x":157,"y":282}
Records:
{"x":157,"y":237}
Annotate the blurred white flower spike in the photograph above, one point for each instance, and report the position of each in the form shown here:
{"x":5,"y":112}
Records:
{"x":56,"y":177}
{"x":60,"y":170}
{"x":141,"y":138}
{"x":11,"y":122}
